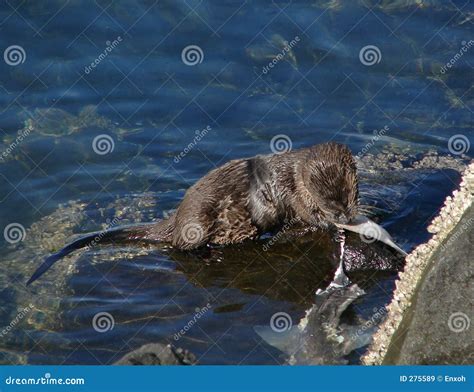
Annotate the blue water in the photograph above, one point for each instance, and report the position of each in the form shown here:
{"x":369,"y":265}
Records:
{"x":151,"y":105}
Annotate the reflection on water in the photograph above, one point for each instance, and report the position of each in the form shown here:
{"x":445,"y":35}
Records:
{"x":101,"y":103}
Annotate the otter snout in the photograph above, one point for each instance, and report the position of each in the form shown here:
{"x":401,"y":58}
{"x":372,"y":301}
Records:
{"x":337,"y":213}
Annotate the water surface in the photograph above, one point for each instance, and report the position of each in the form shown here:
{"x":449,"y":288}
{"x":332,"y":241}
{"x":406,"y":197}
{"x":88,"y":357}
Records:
{"x":151,"y":106}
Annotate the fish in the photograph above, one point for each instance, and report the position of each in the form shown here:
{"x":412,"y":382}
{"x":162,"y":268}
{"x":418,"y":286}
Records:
{"x":320,"y":338}
{"x":371,"y":230}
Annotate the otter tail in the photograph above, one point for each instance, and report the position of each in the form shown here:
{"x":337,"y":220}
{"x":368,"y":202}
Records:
{"x":130,"y":234}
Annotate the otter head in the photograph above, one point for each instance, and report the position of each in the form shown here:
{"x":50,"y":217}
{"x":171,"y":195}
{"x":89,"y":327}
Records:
{"x":330,"y":176}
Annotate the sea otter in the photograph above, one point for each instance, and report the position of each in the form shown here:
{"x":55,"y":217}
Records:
{"x":315,"y":187}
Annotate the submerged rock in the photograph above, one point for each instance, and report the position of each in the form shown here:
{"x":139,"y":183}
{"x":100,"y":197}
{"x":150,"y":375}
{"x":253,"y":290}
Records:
{"x":46,"y":301}
{"x":57,"y":122}
{"x":320,"y":338}
{"x":157,"y":354}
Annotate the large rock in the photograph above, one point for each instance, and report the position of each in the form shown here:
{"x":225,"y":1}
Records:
{"x":436,"y":328}
{"x":431,"y":315}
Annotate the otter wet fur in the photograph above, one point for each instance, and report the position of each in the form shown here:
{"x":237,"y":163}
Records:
{"x":244,"y":198}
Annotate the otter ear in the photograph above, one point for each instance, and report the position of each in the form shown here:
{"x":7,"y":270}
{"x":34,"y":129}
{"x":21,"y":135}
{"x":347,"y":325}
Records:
{"x":367,"y":228}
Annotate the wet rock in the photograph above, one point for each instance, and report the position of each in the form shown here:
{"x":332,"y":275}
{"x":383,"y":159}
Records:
{"x":436,"y":328}
{"x":158,"y":354}
{"x":430,"y":317}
